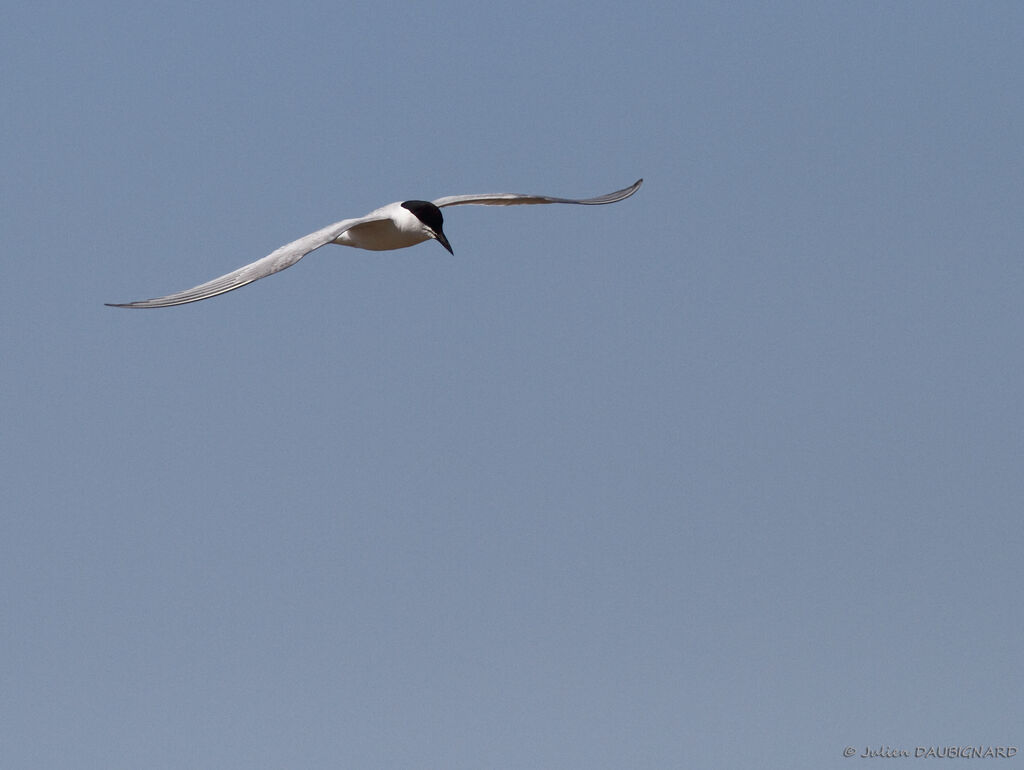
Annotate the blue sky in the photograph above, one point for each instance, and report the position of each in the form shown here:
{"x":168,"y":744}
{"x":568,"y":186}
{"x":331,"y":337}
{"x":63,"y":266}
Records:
{"x":727,"y":474}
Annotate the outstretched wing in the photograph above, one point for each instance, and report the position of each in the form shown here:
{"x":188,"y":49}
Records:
{"x":518,"y":199}
{"x":278,"y":260}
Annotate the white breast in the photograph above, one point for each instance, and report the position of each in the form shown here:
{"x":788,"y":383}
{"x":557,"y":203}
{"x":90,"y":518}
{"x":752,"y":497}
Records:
{"x":400,"y":229}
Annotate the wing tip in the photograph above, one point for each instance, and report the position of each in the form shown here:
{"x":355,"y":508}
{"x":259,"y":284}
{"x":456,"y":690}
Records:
{"x":148,"y":303}
{"x":618,"y":195}
{"x":131,"y":305}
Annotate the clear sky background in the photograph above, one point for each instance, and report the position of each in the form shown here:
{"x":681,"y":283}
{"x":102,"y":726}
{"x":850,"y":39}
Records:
{"x":726,"y":475}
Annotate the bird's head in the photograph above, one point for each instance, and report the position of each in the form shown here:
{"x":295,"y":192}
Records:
{"x":433,"y":222}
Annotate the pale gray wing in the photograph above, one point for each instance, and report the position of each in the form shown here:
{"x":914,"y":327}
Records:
{"x":278,"y":260}
{"x":518,"y":199}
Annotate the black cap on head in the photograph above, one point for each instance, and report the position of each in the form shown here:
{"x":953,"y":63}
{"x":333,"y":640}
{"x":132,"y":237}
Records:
{"x":430,"y":215}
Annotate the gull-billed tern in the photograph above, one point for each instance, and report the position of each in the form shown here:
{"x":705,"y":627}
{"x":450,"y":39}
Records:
{"x":394,"y":226}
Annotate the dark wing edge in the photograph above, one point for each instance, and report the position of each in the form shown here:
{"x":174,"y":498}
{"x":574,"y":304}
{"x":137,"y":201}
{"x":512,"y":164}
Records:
{"x":518,"y":199}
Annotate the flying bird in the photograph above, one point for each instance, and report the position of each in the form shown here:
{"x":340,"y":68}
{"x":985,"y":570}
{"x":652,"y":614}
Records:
{"x":394,"y":226}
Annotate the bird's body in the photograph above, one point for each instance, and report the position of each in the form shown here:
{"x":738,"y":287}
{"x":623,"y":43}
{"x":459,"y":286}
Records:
{"x":395,"y":226}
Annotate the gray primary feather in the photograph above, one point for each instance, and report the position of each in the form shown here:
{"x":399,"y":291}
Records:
{"x":278,"y":260}
{"x":518,"y":199}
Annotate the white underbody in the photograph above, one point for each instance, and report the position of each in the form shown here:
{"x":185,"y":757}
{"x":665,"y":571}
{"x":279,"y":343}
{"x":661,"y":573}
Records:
{"x":399,"y":228}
